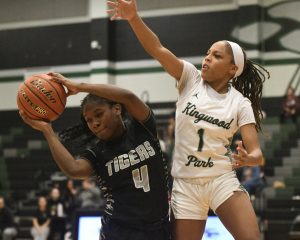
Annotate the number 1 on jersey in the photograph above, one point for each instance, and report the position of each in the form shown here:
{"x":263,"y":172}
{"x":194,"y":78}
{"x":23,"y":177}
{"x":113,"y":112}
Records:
{"x":200,"y":145}
{"x":141,"y":178}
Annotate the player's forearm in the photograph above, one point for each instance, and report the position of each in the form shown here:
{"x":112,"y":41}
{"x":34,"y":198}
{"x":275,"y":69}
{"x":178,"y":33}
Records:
{"x":60,"y":154}
{"x":134,"y":106}
{"x":107,"y":91}
{"x":255,"y":157}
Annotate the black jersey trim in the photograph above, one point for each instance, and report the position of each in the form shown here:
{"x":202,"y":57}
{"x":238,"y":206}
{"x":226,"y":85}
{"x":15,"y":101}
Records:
{"x":92,"y":152}
{"x":144,"y":123}
{"x":149,"y":115}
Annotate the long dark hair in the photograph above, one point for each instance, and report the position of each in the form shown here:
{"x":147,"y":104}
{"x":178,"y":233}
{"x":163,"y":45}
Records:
{"x":80,"y":134}
{"x":250,"y":84}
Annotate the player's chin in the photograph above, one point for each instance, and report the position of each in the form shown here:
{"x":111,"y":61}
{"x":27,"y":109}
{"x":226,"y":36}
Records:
{"x":101,"y":136}
{"x":205,"y":76}
{"x":104,"y":135}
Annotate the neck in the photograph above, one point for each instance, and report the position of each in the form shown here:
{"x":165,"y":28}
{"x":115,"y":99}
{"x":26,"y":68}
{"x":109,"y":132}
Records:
{"x":221,"y":89}
{"x":119,"y":131}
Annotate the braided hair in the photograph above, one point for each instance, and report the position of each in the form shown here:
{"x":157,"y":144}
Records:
{"x":250,"y":84}
{"x":81,"y":132}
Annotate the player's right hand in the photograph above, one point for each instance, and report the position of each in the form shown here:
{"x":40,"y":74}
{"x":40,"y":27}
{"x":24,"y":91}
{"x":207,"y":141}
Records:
{"x":35,"y":124}
{"x":122,"y":9}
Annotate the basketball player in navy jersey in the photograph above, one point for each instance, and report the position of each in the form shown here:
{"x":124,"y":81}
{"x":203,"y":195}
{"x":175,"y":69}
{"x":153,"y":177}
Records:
{"x":127,"y":160}
{"x":212,"y":106}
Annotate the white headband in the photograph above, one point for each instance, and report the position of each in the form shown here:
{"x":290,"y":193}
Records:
{"x":238,"y":57}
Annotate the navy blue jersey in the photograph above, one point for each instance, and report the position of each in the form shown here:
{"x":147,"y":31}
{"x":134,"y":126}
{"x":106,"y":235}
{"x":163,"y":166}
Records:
{"x":132,"y":173}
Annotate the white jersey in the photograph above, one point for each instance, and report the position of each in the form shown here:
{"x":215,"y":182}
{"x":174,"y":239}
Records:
{"x":205,"y":124}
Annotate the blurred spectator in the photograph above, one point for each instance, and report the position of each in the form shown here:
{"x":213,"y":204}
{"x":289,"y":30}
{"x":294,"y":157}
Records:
{"x":69,"y":197}
{"x":41,"y":221}
{"x":70,"y":201}
{"x":8,"y":228}
{"x":252,"y":179}
{"x":89,"y":196}
{"x":278,"y":184}
{"x":57,"y":213}
{"x":290,"y":106}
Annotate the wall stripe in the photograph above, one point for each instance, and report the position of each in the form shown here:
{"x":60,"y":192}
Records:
{"x":140,"y":70}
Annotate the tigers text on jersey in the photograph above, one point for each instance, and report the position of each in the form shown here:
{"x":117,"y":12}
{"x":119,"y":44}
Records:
{"x":132,"y":174}
{"x":205,"y":124}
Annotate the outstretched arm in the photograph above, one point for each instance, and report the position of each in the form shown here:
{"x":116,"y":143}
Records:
{"x":128,"y":10}
{"x":79,"y":169}
{"x":134,"y":106}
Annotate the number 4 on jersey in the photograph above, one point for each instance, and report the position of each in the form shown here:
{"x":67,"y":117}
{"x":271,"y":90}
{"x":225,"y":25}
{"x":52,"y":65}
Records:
{"x":141,"y":178}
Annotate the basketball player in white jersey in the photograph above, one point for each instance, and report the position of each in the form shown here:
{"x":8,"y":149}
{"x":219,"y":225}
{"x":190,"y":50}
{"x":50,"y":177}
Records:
{"x":212,"y":105}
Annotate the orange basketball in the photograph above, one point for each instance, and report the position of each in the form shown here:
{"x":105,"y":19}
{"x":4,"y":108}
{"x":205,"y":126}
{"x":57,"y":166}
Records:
{"x":40,"y":98}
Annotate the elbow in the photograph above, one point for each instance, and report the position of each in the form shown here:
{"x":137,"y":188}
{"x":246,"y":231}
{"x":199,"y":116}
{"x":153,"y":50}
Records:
{"x":72,"y":173}
{"x":157,"y":51}
{"x":78,"y":173}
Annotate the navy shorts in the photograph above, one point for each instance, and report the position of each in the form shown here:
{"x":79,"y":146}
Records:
{"x":118,"y":230}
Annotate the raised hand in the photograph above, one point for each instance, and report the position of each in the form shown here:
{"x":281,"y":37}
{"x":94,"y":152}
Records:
{"x":122,"y":9}
{"x":72,"y":87}
{"x":35,"y":124}
{"x":241,"y":158}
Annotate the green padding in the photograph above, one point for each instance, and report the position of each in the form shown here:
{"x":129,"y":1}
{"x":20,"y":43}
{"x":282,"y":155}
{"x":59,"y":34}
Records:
{"x":287,"y":192}
{"x":277,"y":139}
{"x":292,"y":181}
{"x":7,"y":138}
{"x":16,"y":131}
{"x":296,"y":173}
{"x":270,"y":120}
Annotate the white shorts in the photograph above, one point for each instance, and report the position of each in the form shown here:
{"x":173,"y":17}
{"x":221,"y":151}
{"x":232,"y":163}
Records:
{"x":192,"y":198}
